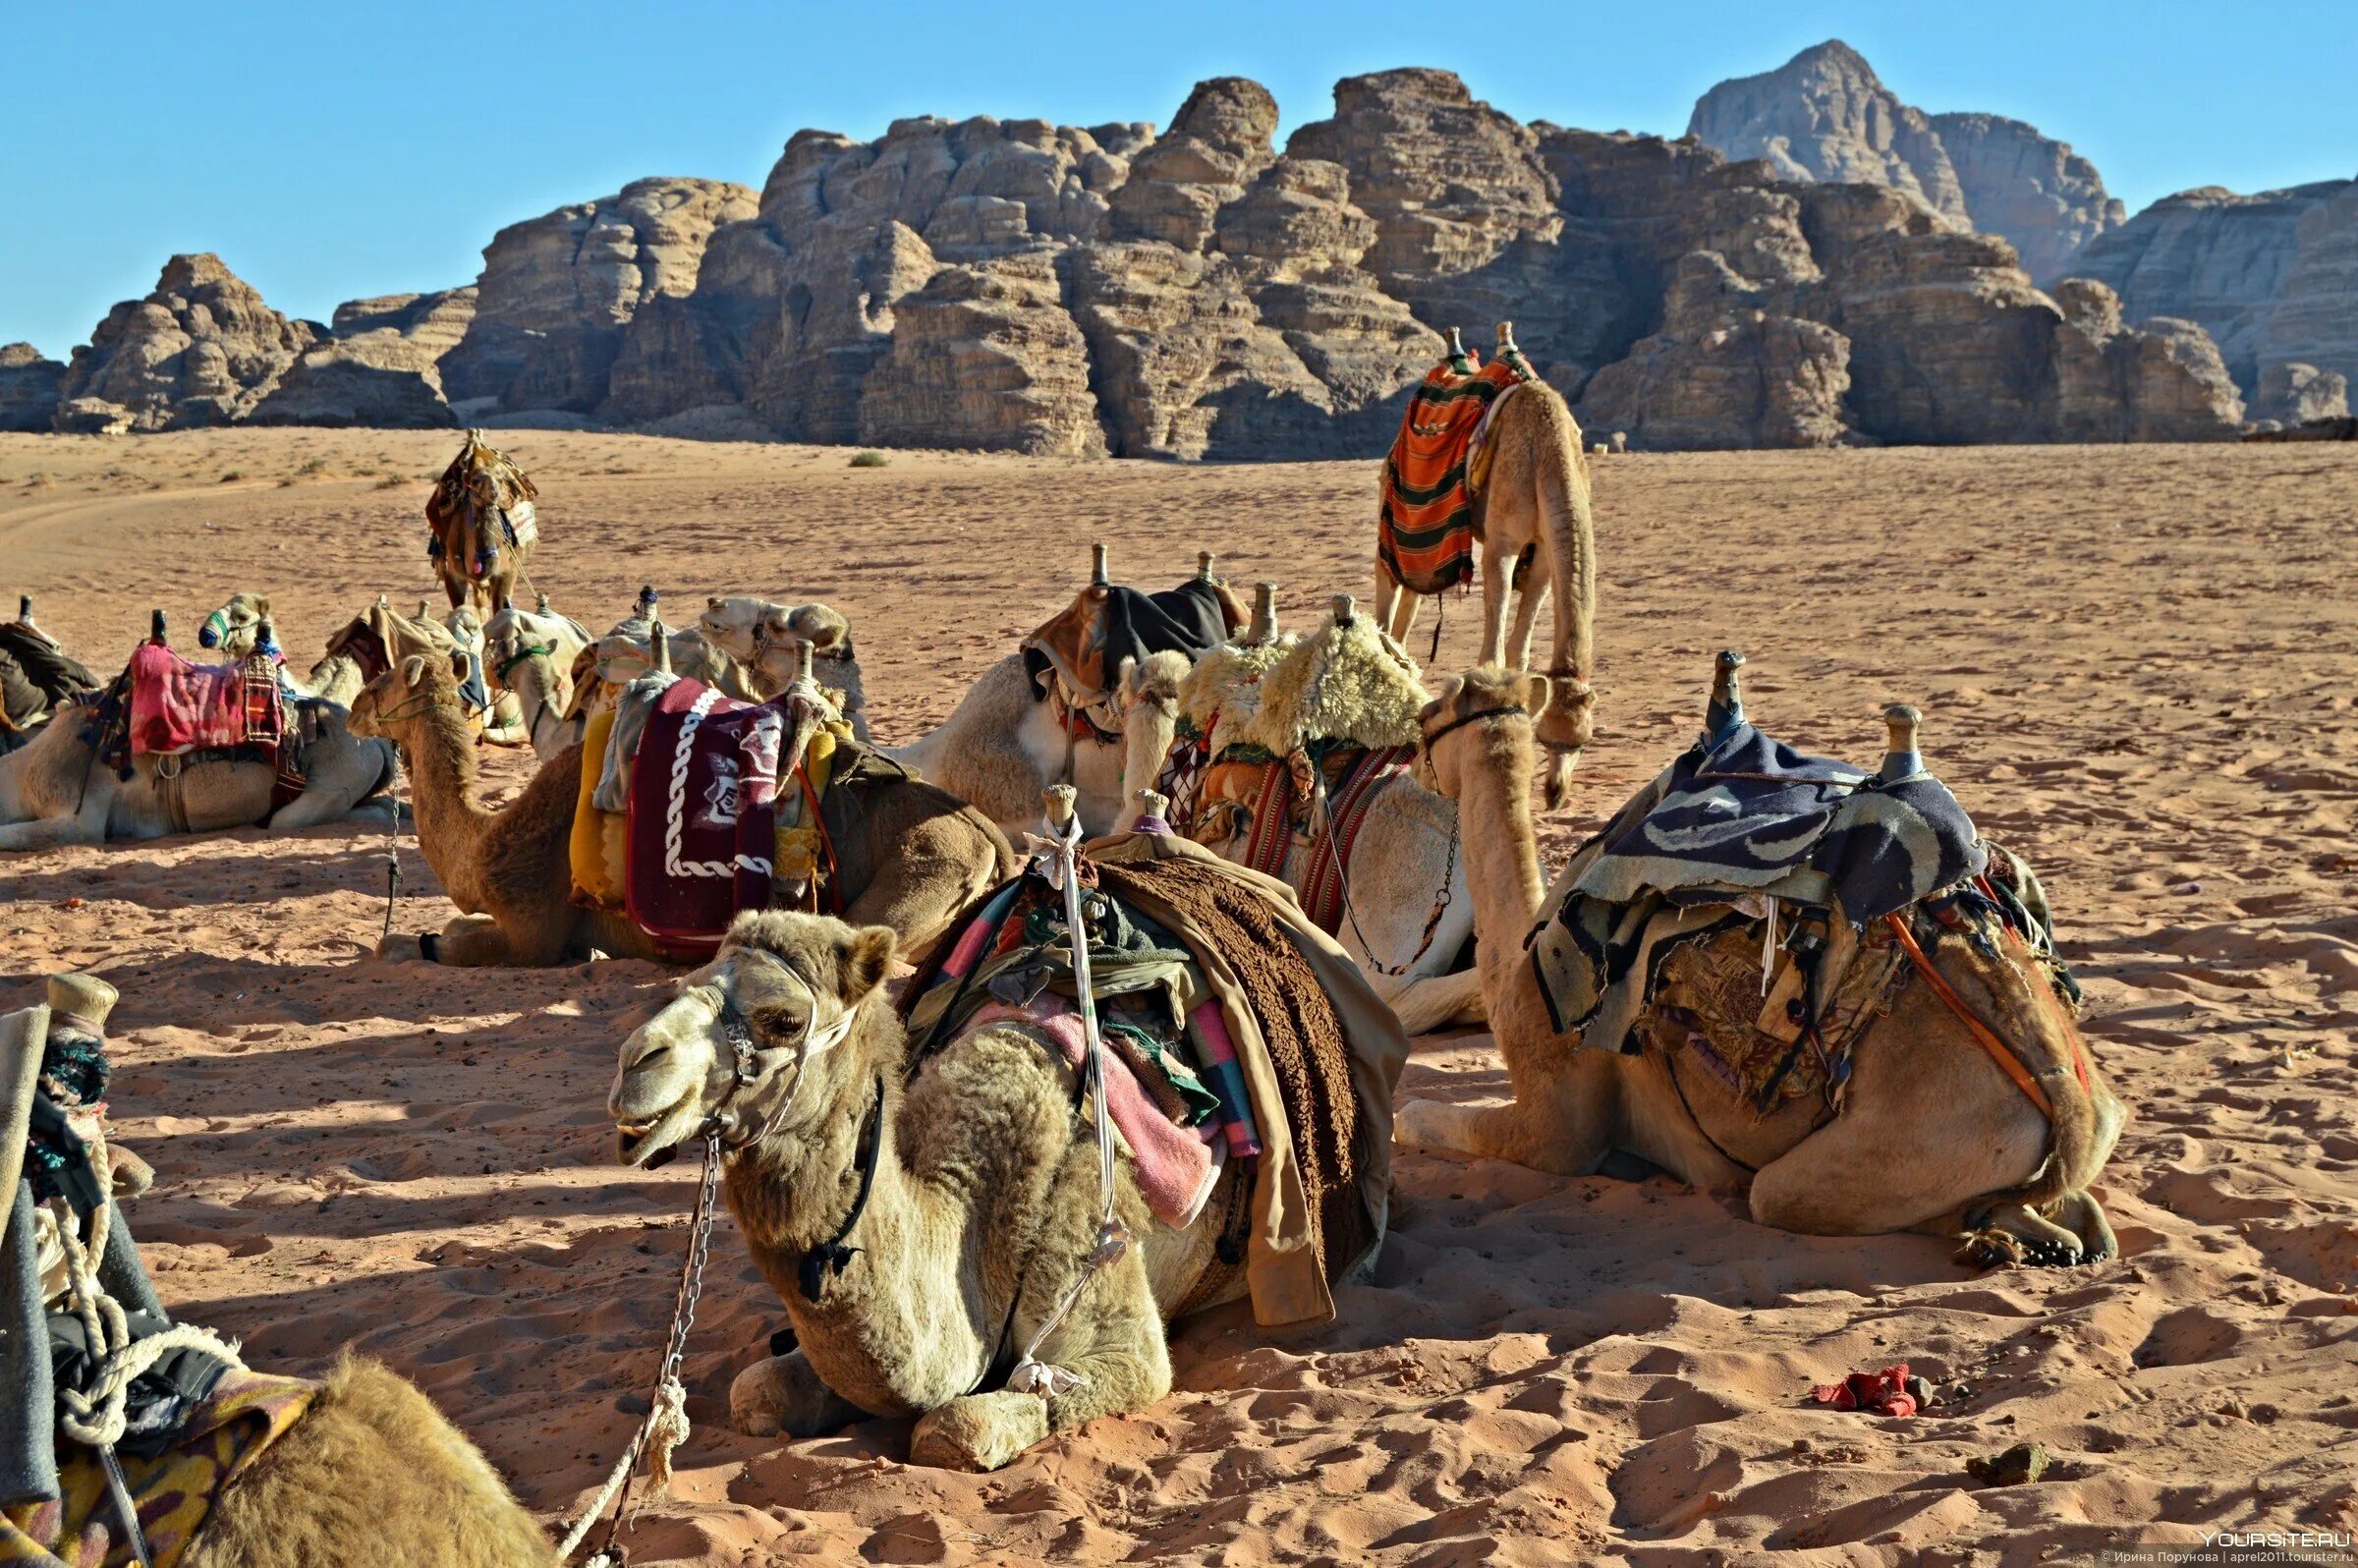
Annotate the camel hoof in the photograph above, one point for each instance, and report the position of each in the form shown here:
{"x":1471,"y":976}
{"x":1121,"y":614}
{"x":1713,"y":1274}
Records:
{"x":981,"y":1432}
{"x":784,"y":1396}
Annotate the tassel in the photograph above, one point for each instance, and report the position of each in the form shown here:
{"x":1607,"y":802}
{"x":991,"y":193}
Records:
{"x":1768,"y":946}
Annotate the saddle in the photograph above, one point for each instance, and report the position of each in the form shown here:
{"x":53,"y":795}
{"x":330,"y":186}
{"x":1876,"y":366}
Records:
{"x":695,"y":806}
{"x":1235,"y":1035}
{"x":36,"y":675}
{"x":1085,"y":645}
{"x":1755,"y":908}
{"x":162,"y":705}
{"x":381,"y":636}
{"x":483,"y":504}
{"x":1429,"y":514}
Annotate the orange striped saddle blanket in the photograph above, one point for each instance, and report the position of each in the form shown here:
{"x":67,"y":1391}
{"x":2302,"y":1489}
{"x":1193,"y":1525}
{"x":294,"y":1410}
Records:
{"x":1427,"y":521}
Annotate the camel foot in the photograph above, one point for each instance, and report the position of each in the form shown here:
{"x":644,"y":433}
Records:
{"x":399,"y":947}
{"x":2082,"y":1215}
{"x":1434,"y":1124}
{"x":2015,"y":1237}
{"x":784,"y":1396}
{"x":981,"y":1431}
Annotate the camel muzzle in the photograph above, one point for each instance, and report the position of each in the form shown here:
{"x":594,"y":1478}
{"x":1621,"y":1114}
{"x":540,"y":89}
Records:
{"x":661,"y":1082}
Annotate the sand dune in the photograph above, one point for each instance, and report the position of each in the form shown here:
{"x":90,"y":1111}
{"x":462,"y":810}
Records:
{"x":2139,"y":667}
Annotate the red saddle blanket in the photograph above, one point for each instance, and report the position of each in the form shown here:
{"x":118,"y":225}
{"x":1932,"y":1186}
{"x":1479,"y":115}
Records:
{"x":177,"y":706}
{"x":1426,"y":523}
{"x":703,"y":831}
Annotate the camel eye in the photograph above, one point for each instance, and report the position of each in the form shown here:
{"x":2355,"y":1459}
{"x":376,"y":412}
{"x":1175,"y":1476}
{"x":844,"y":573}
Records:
{"x":779,"y":1023}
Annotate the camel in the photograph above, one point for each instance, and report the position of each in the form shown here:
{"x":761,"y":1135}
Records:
{"x":530,"y":656}
{"x":241,"y":624}
{"x":763,"y":637}
{"x":370,"y":1470}
{"x":55,"y":791}
{"x":1538,"y":532}
{"x":973,"y":1153}
{"x":1934,"y":1137}
{"x":627,"y":653}
{"x":503,"y":716}
{"x":918,"y":858}
{"x":484,"y":523}
{"x":1008,"y":738}
{"x":1408,"y":916}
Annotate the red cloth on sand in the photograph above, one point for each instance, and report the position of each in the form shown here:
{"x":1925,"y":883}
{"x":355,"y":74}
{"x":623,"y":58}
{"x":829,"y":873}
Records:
{"x":1885,"y":1392}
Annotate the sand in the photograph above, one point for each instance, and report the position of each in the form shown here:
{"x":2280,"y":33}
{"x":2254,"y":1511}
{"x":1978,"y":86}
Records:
{"x":2138,"y":667}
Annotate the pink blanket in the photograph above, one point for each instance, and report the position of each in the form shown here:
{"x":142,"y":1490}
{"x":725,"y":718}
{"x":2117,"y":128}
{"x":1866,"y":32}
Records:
{"x":1173,"y":1165}
{"x":178,"y":706}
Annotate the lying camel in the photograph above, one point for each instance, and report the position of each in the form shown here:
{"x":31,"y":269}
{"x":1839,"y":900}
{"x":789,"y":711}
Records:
{"x":234,"y":630}
{"x":1538,"y":532}
{"x":1934,"y":1137}
{"x":982,"y":1211}
{"x":530,"y":654}
{"x":1408,"y":916}
{"x":917,"y":857}
{"x":1007,"y":739}
{"x":369,"y":1460}
{"x":763,"y":638}
{"x":55,"y":791}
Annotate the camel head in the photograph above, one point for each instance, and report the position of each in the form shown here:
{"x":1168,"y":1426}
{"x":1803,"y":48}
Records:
{"x":1482,"y":717}
{"x":732,"y":1049}
{"x":232,"y":628}
{"x":1565,"y":726}
{"x":1147,"y":696}
{"x":756,"y":631}
{"x":513,"y":636}
{"x":421,"y":683}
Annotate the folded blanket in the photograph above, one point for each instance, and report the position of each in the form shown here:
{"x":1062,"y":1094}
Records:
{"x":177,"y":706}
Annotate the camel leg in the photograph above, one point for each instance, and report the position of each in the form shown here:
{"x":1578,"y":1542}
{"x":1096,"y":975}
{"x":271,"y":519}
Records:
{"x":1395,"y":606}
{"x":85,"y":827}
{"x":1566,"y":1133}
{"x":2082,"y":1215}
{"x":478,"y":942}
{"x":1531,"y":596}
{"x":783,"y":1395}
{"x":1496,"y":580}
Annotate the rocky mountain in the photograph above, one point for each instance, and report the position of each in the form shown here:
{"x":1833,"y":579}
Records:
{"x":2226,"y":260}
{"x":1824,"y":116}
{"x":1202,"y":293}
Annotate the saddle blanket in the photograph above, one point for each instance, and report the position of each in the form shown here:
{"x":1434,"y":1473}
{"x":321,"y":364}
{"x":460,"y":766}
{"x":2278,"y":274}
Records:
{"x":1087,"y":643}
{"x":1427,"y":521}
{"x":1741,"y":819}
{"x":177,"y":706}
{"x":703,"y":814}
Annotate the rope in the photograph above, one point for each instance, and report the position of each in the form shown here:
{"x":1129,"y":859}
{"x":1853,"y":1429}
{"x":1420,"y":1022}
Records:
{"x":666,"y":1423}
{"x":393,"y":849}
{"x":1030,"y":1374}
{"x":1342,"y":878}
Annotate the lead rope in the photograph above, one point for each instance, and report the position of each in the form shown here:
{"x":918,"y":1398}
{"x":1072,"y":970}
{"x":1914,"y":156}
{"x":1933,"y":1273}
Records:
{"x":393,"y":847}
{"x":1030,"y":1374}
{"x":666,"y":1423}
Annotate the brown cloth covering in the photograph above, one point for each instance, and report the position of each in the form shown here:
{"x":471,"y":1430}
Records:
{"x":1324,"y":1178}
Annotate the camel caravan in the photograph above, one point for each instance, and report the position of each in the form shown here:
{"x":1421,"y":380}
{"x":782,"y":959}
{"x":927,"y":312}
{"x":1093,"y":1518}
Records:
{"x":990,"y":1119}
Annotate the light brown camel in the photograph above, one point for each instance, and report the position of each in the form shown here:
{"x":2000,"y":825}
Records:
{"x":765,"y":638}
{"x":530,"y":654}
{"x":1934,"y":1138}
{"x":484,"y":521}
{"x":370,"y":1470}
{"x":233,"y":629}
{"x":1408,"y":916}
{"x":915,"y":859}
{"x":1007,"y":740}
{"x":1536,"y":522}
{"x":55,"y":790}
{"x":981,"y":1214}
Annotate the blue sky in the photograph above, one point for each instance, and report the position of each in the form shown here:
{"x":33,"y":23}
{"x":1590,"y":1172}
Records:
{"x":330,"y":151}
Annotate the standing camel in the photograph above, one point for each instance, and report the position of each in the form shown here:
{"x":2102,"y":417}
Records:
{"x":484,"y":522}
{"x":1537,"y":524}
{"x":1933,"y":1136}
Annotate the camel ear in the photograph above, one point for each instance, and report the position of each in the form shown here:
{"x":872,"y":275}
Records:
{"x":412,"y":671}
{"x":821,"y":627}
{"x":1125,"y":676}
{"x":1535,"y":692}
{"x":712,"y":605}
{"x":461,"y":664}
{"x":861,"y":962}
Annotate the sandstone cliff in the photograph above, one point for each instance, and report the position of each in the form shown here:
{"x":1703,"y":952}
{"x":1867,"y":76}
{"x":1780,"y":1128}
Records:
{"x":202,"y":349}
{"x":30,"y":387}
{"x":1824,"y":115}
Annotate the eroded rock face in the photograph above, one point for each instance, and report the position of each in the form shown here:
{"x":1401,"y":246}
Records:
{"x":2293,"y":394}
{"x":332,"y":385}
{"x":1177,"y":186}
{"x":202,"y":349}
{"x":1824,"y":115}
{"x":984,"y":356}
{"x":2217,"y":259}
{"x":2165,"y":382}
{"x":2316,"y":316}
{"x":556,"y":291}
{"x":29,"y":385}
{"x":405,"y":331}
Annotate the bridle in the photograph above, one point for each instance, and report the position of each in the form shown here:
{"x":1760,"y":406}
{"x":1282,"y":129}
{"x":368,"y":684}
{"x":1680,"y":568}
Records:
{"x":745,"y":1070}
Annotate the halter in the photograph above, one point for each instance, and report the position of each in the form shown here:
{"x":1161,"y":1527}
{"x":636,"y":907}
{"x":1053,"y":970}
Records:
{"x":528,"y":650}
{"x":1430,"y":735}
{"x":745,"y":1072}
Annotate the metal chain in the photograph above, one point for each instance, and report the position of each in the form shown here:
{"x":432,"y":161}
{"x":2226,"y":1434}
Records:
{"x":393,"y":847}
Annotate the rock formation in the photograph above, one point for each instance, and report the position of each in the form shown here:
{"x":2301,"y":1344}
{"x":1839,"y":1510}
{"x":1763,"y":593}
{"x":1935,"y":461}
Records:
{"x":2217,"y":259}
{"x":1824,"y":115}
{"x":2293,"y":394}
{"x":29,"y":388}
{"x":202,"y":349}
{"x":2315,"y":320}
{"x":557,"y":291}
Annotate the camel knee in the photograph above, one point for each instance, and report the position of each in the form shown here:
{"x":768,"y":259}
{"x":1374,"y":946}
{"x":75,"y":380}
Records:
{"x":979,"y":1433}
{"x":1521,"y":1132}
{"x":784,"y":1396}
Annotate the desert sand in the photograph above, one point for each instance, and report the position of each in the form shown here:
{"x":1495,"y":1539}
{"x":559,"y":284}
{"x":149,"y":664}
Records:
{"x":2138,"y":667}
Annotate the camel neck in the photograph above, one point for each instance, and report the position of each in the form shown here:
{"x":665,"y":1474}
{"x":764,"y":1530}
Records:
{"x":1502,"y":854}
{"x":440,"y":758}
{"x":796,"y":1187}
{"x":337,"y":678}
